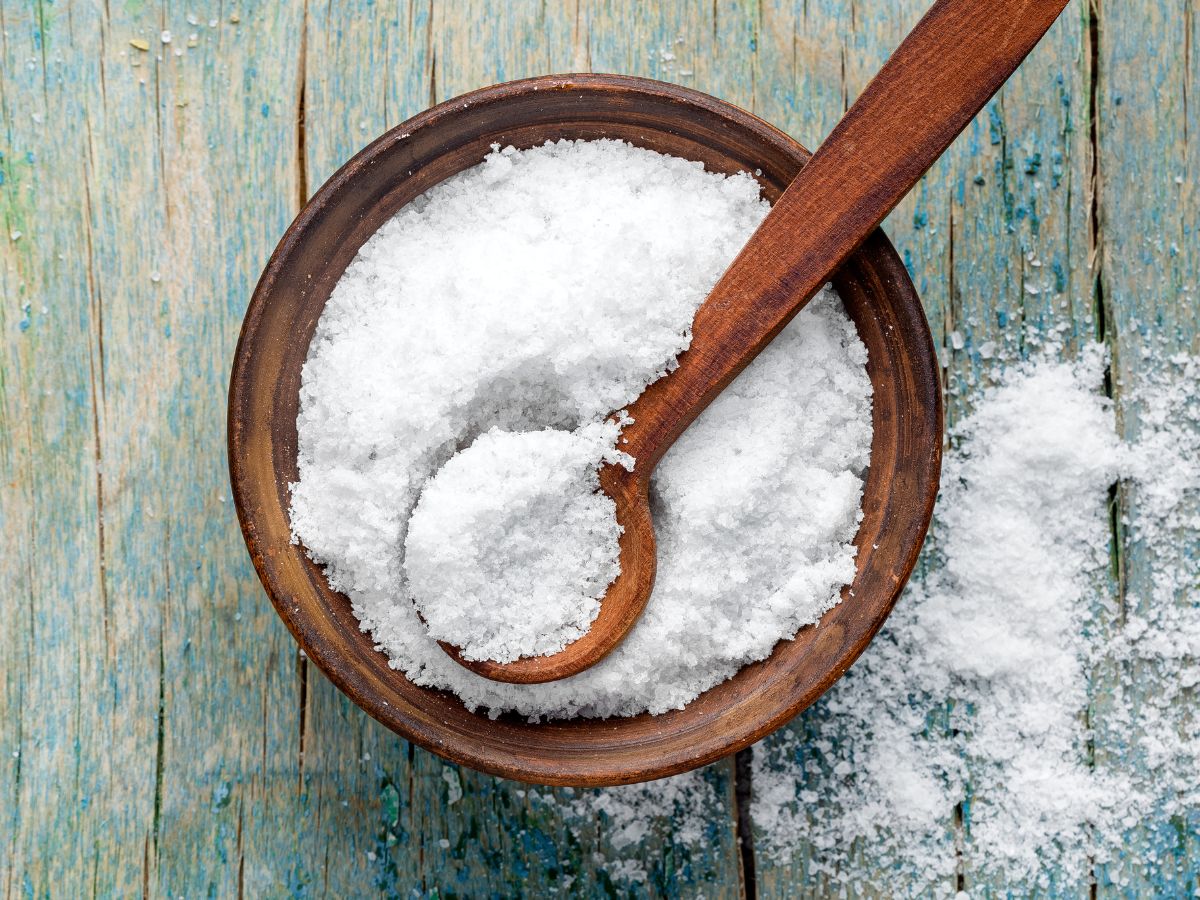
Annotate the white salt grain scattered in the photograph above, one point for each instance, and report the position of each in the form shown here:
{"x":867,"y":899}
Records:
{"x":959,"y":743}
{"x":539,"y":292}
{"x":615,"y":821}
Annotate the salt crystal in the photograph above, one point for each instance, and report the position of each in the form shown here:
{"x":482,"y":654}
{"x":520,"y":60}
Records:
{"x":542,"y":290}
{"x":515,"y":523}
{"x":454,"y":791}
{"x":615,"y":821}
{"x":974,"y":698}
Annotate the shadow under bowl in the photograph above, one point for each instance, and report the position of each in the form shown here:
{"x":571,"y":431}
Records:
{"x":264,"y":399}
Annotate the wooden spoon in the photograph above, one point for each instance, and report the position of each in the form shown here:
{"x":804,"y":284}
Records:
{"x":928,"y":91}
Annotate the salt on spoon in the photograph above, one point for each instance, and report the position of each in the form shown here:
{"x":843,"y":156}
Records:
{"x":931,"y":87}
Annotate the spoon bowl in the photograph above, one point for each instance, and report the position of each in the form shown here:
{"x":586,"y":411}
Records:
{"x":623,"y":601}
{"x":901,"y":482}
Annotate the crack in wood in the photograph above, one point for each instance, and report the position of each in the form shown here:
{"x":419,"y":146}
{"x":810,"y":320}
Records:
{"x":743,"y":781}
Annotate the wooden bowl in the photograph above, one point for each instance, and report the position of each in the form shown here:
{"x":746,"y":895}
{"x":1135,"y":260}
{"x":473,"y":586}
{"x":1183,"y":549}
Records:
{"x":264,"y":397}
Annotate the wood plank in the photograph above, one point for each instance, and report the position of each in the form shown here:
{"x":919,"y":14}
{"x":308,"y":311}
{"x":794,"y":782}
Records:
{"x":434,"y":826}
{"x":996,"y":239}
{"x":149,"y":217}
{"x":1024,"y":254}
{"x":206,"y":182}
{"x":55,"y":651}
{"x":1149,"y":125}
{"x":230,"y":730}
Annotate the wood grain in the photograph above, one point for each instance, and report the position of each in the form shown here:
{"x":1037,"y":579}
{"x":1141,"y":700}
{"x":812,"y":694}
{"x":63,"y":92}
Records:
{"x":1148,"y":119}
{"x":80,"y":821}
{"x":54,"y":643}
{"x":497,"y":839}
{"x":116,"y":718}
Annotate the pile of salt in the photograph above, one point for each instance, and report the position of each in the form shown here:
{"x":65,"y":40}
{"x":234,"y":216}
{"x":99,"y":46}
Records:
{"x":534,"y":295}
{"x":512,"y":544}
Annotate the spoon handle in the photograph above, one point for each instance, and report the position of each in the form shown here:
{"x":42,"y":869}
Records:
{"x":928,"y":91}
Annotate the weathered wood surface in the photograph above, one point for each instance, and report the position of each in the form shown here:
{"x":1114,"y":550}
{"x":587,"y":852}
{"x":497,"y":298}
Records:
{"x":1149,"y":212}
{"x":160,"y":733}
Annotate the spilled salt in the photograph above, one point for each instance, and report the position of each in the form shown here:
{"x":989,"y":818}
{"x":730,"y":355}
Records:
{"x":494,"y":324}
{"x":959,"y":749}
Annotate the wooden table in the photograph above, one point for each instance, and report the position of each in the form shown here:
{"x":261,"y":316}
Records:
{"x":160,"y":732}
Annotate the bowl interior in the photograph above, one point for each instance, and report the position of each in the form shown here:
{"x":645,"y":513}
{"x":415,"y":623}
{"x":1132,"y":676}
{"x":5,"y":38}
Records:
{"x":264,"y":398}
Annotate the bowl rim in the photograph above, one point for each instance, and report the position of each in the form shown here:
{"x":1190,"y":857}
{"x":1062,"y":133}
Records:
{"x":507,"y":762}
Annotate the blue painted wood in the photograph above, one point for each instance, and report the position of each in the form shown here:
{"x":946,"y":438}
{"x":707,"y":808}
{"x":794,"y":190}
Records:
{"x":1149,"y":168}
{"x":999,"y":240}
{"x":150,"y":633}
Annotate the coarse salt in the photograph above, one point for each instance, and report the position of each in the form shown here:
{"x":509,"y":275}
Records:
{"x":961,"y":742}
{"x":512,"y":543}
{"x":532,"y":296}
